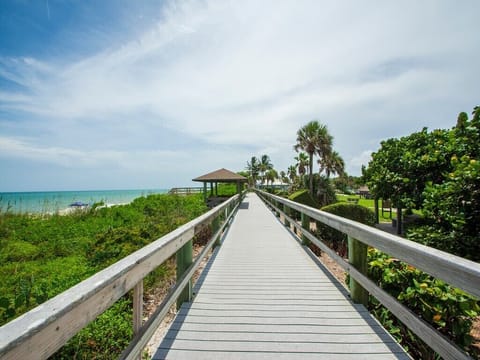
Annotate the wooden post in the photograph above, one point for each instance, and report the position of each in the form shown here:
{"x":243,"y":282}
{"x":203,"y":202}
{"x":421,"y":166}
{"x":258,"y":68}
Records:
{"x":285,"y":210}
{"x":357,"y":256}
{"x":399,"y":221}
{"x":377,"y":216}
{"x":306,"y":226}
{"x":184,"y":260}
{"x":215,"y":227}
{"x":138,"y":309}
{"x":137,"y":306}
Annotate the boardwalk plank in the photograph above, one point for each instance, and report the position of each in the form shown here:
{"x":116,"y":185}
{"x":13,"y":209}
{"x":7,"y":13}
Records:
{"x":263,"y":297}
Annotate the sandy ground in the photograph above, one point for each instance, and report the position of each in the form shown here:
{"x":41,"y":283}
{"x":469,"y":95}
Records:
{"x":153,"y":300}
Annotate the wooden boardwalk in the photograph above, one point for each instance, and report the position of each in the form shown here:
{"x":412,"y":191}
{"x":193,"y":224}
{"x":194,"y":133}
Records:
{"x":263,"y":296}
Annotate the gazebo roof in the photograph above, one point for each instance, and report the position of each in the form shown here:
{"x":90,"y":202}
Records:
{"x":221,"y":175}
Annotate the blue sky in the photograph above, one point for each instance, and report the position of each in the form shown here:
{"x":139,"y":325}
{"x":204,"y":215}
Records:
{"x":119,"y":94}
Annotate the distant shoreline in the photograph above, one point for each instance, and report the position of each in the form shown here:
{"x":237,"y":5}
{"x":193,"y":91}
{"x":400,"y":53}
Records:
{"x":52,"y":202}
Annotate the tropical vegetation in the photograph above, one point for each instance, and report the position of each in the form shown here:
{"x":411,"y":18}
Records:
{"x":434,"y":174}
{"x":437,"y":172}
{"x":41,"y":256}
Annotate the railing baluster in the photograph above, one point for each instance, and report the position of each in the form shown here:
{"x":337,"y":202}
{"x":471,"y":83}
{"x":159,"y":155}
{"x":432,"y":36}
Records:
{"x":184,"y":260}
{"x":357,"y":256}
{"x":286,"y":212}
{"x":138,"y":309}
{"x":215,"y":227}
{"x":306,"y":226}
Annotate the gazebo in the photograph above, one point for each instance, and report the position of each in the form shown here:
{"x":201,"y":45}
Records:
{"x":220,"y":176}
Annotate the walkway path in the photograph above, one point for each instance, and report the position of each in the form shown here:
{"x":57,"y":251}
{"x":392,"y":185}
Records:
{"x":264,"y":297}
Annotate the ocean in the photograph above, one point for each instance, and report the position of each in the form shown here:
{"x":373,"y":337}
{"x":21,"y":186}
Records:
{"x":55,"y":201}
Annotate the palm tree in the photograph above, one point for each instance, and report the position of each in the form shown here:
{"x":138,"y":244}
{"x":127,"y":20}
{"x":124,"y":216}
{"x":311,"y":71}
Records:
{"x":253,"y":166}
{"x":313,"y":138}
{"x":271,"y":175}
{"x":302,"y":163}
{"x":332,"y":163}
{"x":283,"y":177}
{"x":292,"y":173}
{"x":264,"y":165}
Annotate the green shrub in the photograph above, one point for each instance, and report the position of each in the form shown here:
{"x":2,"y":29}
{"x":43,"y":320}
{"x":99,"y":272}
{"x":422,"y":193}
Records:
{"x":336,"y":239}
{"x":105,"y":338}
{"x":304,"y":197}
{"x":18,"y":250}
{"x":449,"y":310}
{"x":42,"y":256}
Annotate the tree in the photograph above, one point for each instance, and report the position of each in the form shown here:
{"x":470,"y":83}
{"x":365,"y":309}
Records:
{"x":253,"y":167}
{"x":439,"y":172}
{"x":402,"y":167}
{"x":283,"y":177}
{"x":313,"y":138}
{"x":332,"y":163}
{"x":271,"y":175}
{"x":264,"y":165}
{"x":302,"y":163}
{"x":292,"y":173}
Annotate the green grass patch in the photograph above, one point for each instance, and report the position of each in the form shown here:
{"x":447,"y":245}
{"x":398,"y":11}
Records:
{"x":368,"y":203}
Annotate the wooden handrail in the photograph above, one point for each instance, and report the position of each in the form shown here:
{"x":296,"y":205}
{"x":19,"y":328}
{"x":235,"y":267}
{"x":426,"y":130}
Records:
{"x":454,"y":270}
{"x":40,"y":332}
{"x":186,"y":190}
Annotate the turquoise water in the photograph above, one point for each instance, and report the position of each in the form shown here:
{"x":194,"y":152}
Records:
{"x":53,"y":201}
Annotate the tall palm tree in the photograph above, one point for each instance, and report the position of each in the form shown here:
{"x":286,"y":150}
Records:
{"x":313,"y":138}
{"x":302,"y":163}
{"x":253,"y":166}
{"x":271,"y":175}
{"x":292,"y":173}
{"x":264,"y":165}
{"x":332,"y":163}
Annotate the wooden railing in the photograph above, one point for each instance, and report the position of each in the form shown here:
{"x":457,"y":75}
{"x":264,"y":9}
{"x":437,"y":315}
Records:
{"x":186,"y":190}
{"x":452,"y":269}
{"x":43,"y":330}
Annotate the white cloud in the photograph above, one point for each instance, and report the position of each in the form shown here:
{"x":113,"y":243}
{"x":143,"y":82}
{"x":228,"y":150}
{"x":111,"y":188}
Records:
{"x":81,"y":159}
{"x":248,"y":74}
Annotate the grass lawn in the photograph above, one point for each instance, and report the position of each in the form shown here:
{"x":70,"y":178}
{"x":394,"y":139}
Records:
{"x":368,"y":203}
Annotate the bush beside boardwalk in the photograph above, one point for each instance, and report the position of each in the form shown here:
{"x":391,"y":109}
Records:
{"x":42,"y":256}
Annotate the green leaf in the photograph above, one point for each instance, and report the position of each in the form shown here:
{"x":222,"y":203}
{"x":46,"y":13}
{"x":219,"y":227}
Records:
{"x":4,"y":303}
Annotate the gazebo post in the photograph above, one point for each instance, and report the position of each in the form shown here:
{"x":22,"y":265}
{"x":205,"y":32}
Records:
{"x":205,"y":191}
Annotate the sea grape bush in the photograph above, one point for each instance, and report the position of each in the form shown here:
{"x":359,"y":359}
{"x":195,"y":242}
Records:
{"x":449,"y":310}
{"x":437,"y":172}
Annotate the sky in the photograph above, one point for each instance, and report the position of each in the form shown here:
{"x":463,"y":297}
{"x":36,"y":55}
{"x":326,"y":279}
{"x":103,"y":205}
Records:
{"x":118,"y":94}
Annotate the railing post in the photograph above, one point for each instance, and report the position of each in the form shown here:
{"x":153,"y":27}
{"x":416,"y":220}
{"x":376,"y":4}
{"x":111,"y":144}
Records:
{"x":138,"y":309}
{"x":184,"y":260}
{"x":357,"y":256}
{"x":286,"y":212}
{"x":215,"y":227}
{"x":306,"y":226}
